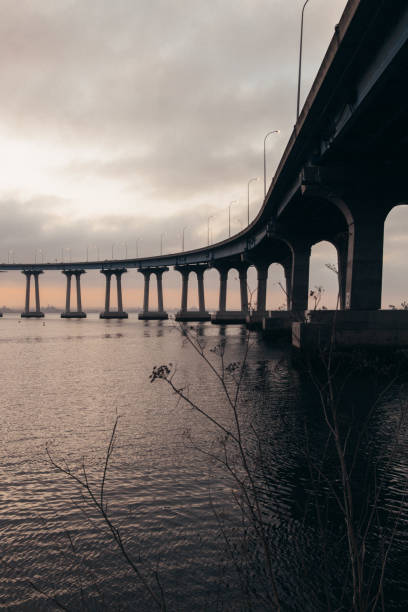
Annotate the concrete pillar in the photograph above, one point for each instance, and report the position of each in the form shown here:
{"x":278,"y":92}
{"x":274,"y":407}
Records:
{"x":68,"y":313}
{"x":108,"y":313}
{"x":78,"y":290}
{"x":223,"y":290}
{"x":243,"y":286}
{"x":287,"y":268}
{"x":184,"y":289}
{"x":27,"y":299}
{"x":119,"y":291}
{"x":108,"y":275}
{"x":68,"y":295}
{"x":37,"y":312}
{"x":146,"y":274}
{"x":192,"y":315}
{"x":365,"y":261}
{"x":37,"y":293}
{"x":342,"y":273}
{"x":300,"y":279}
{"x":159,"y":279}
{"x":261,"y":295}
{"x":160,"y":313}
{"x":200,"y":286}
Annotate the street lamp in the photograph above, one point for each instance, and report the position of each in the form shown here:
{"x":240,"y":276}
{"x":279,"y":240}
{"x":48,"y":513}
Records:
{"x":137,"y":246}
{"x":265,"y":139}
{"x":249,"y":182}
{"x":300,"y":61}
{"x":208,"y":229}
{"x":182,"y":238}
{"x":113,"y":246}
{"x":161,"y":243}
{"x":229,"y":216}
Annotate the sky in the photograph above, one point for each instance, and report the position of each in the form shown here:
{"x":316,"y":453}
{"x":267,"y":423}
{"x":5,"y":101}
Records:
{"x":123,"y":122}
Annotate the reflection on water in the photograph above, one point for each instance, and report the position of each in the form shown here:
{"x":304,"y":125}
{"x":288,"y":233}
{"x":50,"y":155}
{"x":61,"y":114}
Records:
{"x":63,"y":385}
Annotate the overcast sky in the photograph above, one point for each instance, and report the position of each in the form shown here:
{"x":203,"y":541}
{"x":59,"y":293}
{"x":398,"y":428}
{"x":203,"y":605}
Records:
{"x":135,"y":118}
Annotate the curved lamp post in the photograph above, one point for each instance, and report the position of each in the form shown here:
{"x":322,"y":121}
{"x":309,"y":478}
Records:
{"x":137,"y":246}
{"x":229,"y":216}
{"x":208,"y":229}
{"x":300,"y":61}
{"x":252,"y":180}
{"x":182,"y":237}
{"x":265,"y":139}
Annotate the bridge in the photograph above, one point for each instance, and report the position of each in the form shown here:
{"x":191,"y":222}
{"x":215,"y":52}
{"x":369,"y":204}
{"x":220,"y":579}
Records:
{"x":343,"y":169}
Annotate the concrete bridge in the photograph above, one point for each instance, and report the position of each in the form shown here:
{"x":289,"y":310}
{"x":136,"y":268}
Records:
{"x":343,"y":170}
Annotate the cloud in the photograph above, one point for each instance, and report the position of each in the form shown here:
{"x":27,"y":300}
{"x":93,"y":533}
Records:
{"x":40,"y":224}
{"x":168,"y":99}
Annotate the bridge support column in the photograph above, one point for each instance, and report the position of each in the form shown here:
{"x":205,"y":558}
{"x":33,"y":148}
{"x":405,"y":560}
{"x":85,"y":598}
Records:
{"x":108,"y":313}
{"x":255,"y":318}
{"x":222,"y":304}
{"x":37,"y":312}
{"x":232,"y":316}
{"x":261,"y":297}
{"x":342,"y":274}
{"x":364,"y":261}
{"x":243,"y":288}
{"x":300,"y":280}
{"x":201,"y":297}
{"x":184,"y":289}
{"x":287,"y":268}
{"x":78,"y":313}
{"x":146,"y":289}
{"x":160,"y":313}
{"x":159,"y":279}
{"x":192,"y":315}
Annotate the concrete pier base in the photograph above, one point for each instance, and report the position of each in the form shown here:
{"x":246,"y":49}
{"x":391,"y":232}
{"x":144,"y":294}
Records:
{"x":254,"y":320}
{"x":278,"y":323}
{"x":32,"y":315}
{"x":114,"y":315}
{"x":351,"y":328}
{"x":228,"y":316}
{"x":192,"y":316}
{"x":73,"y":315}
{"x":152,"y":315}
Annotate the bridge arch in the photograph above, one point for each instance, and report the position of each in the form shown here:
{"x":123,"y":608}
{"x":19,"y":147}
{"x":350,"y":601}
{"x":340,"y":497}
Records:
{"x":324,"y":286}
{"x":212,"y":288}
{"x":395,"y":258}
{"x":277,"y":291}
{"x":192,"y":299}
{"x":252,"y":286}
{"x":233,"y":289}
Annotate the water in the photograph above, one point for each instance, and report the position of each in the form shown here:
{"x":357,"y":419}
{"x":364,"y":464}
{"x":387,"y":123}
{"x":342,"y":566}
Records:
{"x":63,"y":384}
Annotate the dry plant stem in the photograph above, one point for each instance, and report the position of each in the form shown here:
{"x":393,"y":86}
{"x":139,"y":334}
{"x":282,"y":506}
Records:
{"x":54,"y":599}
{"x":98,"y":501}
{"x":356,"y":544}
{"x":256,"y":512}
{"x":234,"y":404}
